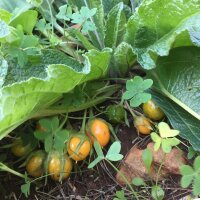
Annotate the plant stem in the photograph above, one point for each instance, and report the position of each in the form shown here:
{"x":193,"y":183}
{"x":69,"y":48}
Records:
{"x":64,"y":121}
{"x":5,"y":168}
{"x":132,"y":113}
{"x":53,"y":110}
{"x":113,"y":132}
{"x":125,"y":179}
{"x":83,"y":122}
{"x":159,"y":169}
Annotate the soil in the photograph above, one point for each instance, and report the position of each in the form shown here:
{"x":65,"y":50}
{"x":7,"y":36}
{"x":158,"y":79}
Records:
{"x":86,"y":184}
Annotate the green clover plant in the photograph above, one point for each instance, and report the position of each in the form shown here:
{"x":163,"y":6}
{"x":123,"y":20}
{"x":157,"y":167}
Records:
{"x":53,"y":136}
{"x":166,"y":139}
{"x":191,"y":175}
{"x":136,"y":91}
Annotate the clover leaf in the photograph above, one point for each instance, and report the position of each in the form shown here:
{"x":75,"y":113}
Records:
{"x":165,"y":131}
{"x":157,"y":192}
{"x":84,"y":18}
{"x":53,"y":136}
{"x":65,"y":12}
{"x":166,"y":139}
{"x":25,"y":189}
{"x":191,"y":175}
{"x":43,"y":26}
{"x":138,"y":181}
{"x":135,"y":91}
{"x":113,"y":153}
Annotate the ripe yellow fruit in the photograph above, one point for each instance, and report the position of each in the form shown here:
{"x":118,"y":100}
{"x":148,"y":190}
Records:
{"x":98,"y":129}
{"x":152,"y":111}
{"x":59,"y":166}
{"x":78,"y":147}
{"x":143,"y":125}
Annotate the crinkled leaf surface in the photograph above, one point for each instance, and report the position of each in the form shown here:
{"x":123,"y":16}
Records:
{"x":115,"y":26}
{"x":27,"y":90}
{"x":124,"y":55}
{"x":17,"y":6}
{"x":4,"y":29}
{"x":178,"y":77}
{"x":159,"y":25}
{"x":109,"y":4}
{"x":122,"y":59}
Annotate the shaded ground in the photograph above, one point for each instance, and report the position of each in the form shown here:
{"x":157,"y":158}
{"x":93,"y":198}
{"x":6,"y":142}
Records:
{"x":89,"y":184}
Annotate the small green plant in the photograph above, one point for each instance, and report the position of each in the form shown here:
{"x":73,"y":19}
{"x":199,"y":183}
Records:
{"x":113,"y":154}
{"x":138,"y":181}
{"x":53,"y":136}
{"x":65,"y":12}
{"x":81,"y":18}
{"x":147,"y":158}
{"x":157,"y":192}
{"x":191,"y":176}
{"x":136,"y":91}
{"x":166,"y":139}
{"x":192,"y":153}
{"x":120,"y":195}
{"x":25,"y":188}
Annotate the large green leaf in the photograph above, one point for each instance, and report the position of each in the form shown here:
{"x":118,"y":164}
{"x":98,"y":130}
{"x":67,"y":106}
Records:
{"x":180,"y":119}
{"x":122,"y":59}
{"x":159,"y":25}
{"x":26,"y":19}
{"x":177,"y":90}
{"x":177,"y":76}
{"x":5,"y":15}
{"x":4,"y":29}
{"x":115,"y":26}
{"x":17,"y":6}
{"x":109,"y":4}
{"x":27,"y":90}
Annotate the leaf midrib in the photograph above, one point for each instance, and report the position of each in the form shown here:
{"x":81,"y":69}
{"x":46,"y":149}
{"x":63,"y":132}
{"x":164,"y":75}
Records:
{"x":172,"y":97}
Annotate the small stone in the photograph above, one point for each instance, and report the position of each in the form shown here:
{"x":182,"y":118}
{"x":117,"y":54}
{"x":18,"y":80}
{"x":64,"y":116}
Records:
{"x":171,"y":161}
{"x":133,"y":166}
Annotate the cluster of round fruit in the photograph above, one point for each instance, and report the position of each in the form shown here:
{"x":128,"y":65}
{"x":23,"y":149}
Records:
{"x":59,"y":165}
{"x":152,"y":112}
{"x":144,"y":122}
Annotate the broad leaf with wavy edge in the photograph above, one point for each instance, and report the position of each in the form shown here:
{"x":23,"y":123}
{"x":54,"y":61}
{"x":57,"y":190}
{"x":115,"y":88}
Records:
{"x":21,"y":100}
{"x":115,"y":26}
{"x":177,"y":76}
{"x":177,"y":85}
{"x":160,"y":25}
